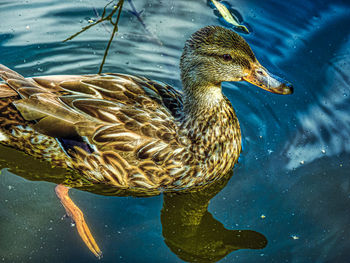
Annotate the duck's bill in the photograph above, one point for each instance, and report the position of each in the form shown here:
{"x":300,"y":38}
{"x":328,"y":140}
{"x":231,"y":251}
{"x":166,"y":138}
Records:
{"x":262,"y":78}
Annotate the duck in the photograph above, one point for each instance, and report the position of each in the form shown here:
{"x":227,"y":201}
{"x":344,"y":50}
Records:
{"x":130,"y":132}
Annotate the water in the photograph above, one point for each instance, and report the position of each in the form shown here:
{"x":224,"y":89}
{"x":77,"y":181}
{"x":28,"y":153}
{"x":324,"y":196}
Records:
{"x":292,"y":185}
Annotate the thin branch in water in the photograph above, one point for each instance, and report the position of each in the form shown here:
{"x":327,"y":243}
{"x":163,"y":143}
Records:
{"x":83,"y":30}
{"x":103,"y":18}
{"x":100,"y":17}
{"x":115,"y":30}
{"x":104,"y":9}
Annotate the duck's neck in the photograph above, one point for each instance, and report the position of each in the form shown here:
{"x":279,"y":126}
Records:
{"x":207,"y":113}
{"x":202,"y":91}
{"x":201,"y":100}
{"x":212,"y":127}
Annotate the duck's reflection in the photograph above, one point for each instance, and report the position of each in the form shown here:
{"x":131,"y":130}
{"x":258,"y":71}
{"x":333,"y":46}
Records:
{"x":189,"y":230}
{"x":194,"y":235}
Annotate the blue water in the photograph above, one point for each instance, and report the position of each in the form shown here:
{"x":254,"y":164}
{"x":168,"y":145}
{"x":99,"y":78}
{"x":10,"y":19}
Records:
{"x":292,"y":185}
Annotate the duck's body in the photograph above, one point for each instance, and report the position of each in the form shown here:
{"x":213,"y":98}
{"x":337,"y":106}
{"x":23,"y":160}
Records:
{"x":122,"y":130}
{"x":133,"y":133}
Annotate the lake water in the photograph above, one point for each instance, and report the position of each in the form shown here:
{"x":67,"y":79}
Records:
{"x":288,"y":199}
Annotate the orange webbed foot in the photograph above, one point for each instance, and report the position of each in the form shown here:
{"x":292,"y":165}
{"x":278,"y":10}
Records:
{"x":78,"y":217}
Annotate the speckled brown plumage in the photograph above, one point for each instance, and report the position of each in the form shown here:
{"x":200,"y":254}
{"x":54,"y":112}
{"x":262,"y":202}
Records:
{"x":129,"y":131}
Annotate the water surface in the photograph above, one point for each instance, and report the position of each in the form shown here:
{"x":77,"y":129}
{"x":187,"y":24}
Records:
{"x":292,"y":185}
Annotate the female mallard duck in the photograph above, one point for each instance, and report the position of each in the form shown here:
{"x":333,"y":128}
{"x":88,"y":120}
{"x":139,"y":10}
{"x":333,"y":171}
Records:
{"x":131,"y":132}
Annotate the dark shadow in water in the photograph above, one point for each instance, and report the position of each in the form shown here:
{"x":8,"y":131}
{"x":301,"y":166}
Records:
{"x":189,"y":230}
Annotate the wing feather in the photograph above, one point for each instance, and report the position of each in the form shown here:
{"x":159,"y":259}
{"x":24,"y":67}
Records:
{"x":130,"y":121}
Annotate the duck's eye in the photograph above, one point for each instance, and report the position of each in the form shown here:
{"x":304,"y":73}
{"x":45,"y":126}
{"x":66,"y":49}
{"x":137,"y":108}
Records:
{"x":227,"y":57}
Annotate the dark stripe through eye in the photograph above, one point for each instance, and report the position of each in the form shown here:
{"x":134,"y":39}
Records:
{"x":227,"y":57}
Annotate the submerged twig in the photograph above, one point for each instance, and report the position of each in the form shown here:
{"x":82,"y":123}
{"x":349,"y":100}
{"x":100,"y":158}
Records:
{"x":102,"y":19}
{"x":115,"y":30}
{"x":117,"y":7}
{"x":99,"y":17}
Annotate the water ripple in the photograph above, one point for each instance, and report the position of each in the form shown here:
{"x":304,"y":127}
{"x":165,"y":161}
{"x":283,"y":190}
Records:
{"x":325,"y":126}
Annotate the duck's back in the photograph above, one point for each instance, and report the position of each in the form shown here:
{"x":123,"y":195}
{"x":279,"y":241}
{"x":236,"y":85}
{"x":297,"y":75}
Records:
{"x":114,"y":128}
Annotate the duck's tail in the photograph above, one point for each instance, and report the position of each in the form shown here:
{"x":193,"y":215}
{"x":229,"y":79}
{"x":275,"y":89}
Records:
{"x":6,"y":74}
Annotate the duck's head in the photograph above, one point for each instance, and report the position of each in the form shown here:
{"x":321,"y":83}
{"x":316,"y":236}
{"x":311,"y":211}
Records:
{"x":215,"y":54}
